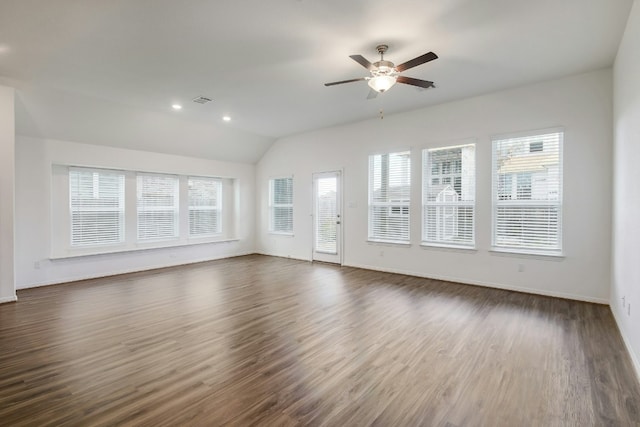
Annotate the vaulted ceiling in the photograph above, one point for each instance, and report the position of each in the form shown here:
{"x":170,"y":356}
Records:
{"x":122,"y":63}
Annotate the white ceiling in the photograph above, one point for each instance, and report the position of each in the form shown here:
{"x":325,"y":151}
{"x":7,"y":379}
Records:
{"x":264,"y":62}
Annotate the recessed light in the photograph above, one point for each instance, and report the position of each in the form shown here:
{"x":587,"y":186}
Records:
{"x":226,"y":118}
{"x":177,"y":106}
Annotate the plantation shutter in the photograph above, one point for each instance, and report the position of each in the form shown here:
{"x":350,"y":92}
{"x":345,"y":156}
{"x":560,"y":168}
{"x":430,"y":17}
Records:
{"x":157,"y":207}
{"x":204,"y":206}
{"x":527,"y":192}
{"x":389,"y":196}
{"x":281,"y":205}
{"x":97,"y":207}
{"x":448,"y":196}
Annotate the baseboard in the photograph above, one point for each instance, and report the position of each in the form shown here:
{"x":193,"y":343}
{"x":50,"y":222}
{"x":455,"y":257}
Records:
{"x":283,"y":256}
{"x":8,"y":299}
{"x":484,"y":284}
{"x":129,"y":270}
{"x":634,"y":358}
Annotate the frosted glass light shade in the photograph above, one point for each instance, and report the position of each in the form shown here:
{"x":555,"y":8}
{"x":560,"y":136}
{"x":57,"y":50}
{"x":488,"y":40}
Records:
{"x":381,"y":83}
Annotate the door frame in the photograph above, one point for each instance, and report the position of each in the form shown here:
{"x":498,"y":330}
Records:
{"x":340,"y":211}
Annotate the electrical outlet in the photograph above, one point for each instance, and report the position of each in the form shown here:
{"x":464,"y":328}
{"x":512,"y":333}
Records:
{"x":36,"y":265}
{"x":381,"y":253}
{"x":520,"y":268}
{"x":629,"y":309}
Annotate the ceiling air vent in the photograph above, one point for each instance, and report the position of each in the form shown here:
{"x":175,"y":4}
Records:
{"x":202,"y":100}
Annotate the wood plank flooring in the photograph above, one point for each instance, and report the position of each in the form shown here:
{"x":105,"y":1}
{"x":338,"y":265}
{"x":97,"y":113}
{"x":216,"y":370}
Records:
{"x":258,"y":340}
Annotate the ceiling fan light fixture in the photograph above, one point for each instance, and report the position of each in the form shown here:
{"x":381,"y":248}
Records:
{"x":381,"y":83}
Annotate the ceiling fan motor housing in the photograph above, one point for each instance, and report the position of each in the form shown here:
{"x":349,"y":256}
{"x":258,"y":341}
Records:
{"x":383,"y":68}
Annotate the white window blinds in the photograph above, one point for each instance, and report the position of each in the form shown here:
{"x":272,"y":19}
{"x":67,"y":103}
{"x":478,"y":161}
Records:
{"x":157,"y":207}
{"x":281,"y":205}
{"x":389,"y":196}
{"x":448,"y":196}
{"x":326,"y":215}
{"x":97,"y":207}
{"x":527,"y":193}
{"x":205,"y":196}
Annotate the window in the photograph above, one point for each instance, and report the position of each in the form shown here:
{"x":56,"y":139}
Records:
{"x":157,"y":207}
{"x":204,"y":206}
{"x":527,"y":188}
{"x":448,"y":196}
{"x":96,"y":206}
{"x":281,"y":205}
{"x":389,"y":196}
{"x":97,"y":211}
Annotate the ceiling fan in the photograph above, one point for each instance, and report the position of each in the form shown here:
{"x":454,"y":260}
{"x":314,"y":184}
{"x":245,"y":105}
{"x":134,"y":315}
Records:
{"x":385,"y":74}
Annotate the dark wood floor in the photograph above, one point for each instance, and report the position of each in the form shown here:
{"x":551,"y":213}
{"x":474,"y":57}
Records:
{"x":257,"y":340}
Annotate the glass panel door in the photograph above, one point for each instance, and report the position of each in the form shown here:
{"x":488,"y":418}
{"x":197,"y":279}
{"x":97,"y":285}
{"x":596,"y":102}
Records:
{"x":327,"y":217}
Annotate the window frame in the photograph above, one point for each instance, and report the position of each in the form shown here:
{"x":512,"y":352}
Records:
{"x":121,"y":210}
{"x":403,"y":204}
{"x":273,"y":206}
{"x":60,"y":231}
{"x":427,"y":169}
{"x":497,"y":202}
{"x":217,"y":207}
{"x":175,"y":209}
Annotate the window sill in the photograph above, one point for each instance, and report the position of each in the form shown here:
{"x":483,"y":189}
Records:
{"x":452,"y":248}
{"x":389,"y":243}
{"x":519,"y":253}
{"x":275,"y":233}
{"x":78,"y":253}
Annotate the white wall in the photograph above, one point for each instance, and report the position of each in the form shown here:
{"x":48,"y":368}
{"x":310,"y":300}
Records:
{"x":581,"y":104}
{"x":34,"y":160}
{"x":7,"y":143}
{"x":626,"y":189}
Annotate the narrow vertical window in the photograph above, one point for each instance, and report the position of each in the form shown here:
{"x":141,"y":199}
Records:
{"x":448,"y":196}
{"x":389,"y":197}
{"x":96,"y":206}
{"x":281,"y":205}
{"x":527,"y":193}
{"x":205,"y":200}
{"x":158,"y":207}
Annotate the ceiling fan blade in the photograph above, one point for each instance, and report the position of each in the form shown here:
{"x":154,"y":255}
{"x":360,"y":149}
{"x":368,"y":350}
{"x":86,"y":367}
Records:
{"x":372,"y":94}
{"x":415,"y":82}
{"x":417,"y":61}
{"x":363,"y":61}
{"x":344,"y":81}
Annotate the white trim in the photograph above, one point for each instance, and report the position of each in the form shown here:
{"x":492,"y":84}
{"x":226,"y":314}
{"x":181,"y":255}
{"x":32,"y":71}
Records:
{"x":130,"y":270}
{"x":484,"y":284}
{"x":406,"y":244}
{"x":634,"y":358}
{"x":526,"y":133}
{"x":142,"y":247}
{"x":499,"y":251}
{"x":399,"y":149}
{"x":459,"y":144}
{"x":8,"y":299}
{"x":461,"y":248}
{"x":284,"y":256}
{"x":140,"y":169}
